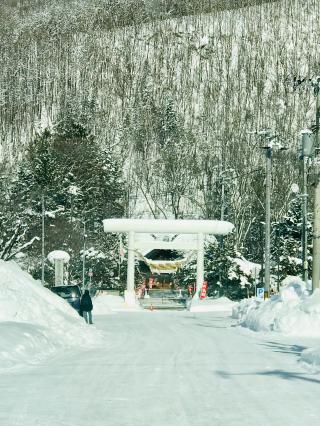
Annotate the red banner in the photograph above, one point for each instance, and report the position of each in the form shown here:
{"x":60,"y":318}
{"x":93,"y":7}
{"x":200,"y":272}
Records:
{"x":204,"y":289}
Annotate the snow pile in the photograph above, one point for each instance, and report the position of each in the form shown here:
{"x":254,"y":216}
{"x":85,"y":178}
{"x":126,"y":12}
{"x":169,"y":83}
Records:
{"x":105,"y":304}
{"x":222,"y":304}
{"x":34,"y":322}
{"x":292,"y":312}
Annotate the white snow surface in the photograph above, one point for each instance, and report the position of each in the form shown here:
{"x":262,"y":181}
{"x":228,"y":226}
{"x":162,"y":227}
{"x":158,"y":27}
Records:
{"x":311,"y":358}
{"x":34,"y":322}
{"x":105,"y":304}
{"x":168,"y":226}
{"x":167,"y":368}
{"x":222,"y":304}
{"x":247,"y":267}
{"x":293,"y":311}
{"x":58,"y":255}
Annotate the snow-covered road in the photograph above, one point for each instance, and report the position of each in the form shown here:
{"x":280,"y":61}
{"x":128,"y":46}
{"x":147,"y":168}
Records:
{"x":167,"y":368}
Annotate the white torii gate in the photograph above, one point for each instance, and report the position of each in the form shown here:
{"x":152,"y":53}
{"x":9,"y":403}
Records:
{"x":150,"y":226}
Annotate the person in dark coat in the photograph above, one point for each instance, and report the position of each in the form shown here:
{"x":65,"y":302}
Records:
{"x":86,"y":306}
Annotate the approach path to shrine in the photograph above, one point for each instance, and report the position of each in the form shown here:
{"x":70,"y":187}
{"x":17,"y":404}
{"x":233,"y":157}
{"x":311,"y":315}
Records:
{"x":167,"y":369}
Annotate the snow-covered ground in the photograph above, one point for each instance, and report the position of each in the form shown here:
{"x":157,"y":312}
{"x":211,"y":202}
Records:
{"x":34,"y":322}
{"x":105,"y":304}
{"x":222,"y":304}
{"x":141,"y":367}
{"x":292,"y":312}
{"x":167,"y":368}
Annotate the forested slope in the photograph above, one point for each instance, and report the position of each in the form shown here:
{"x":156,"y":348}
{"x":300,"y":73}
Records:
{"x":176,"y":98}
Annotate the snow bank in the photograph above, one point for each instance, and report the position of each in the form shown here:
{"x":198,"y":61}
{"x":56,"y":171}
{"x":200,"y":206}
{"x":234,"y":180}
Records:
{"x":105,"y":304}
{"x":222,"y":304}
{"x":292,"y":312}
{"x":34,"y":322}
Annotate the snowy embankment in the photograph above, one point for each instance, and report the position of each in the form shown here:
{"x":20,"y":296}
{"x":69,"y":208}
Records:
{"x":223,"y":304}
{"x":34,"y":322}
{"x":105,"y":304}
{"x":292,"y":312}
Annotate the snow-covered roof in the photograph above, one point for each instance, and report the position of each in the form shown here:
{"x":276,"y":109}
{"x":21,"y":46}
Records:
{"x":58,"y":255}
{"x":165,"y":266}
{"x":145,"y":243}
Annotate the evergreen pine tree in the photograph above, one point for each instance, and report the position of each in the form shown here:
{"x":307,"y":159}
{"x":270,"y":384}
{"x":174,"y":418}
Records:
{"x":81,"y":182}
{"x":287,"y":247}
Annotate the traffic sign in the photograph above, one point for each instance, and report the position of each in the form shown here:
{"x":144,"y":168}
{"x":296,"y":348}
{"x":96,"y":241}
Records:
{"x":260,"y":293}
{"x":90,"y":273}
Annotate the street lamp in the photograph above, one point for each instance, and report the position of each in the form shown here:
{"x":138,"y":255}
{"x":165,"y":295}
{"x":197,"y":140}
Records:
{"x":307,"y":151}
{"x":314,"y":85}
{"x":271,"y":144}
{"x":225,"y":178}
{"x":84,"y":256}
{"x":42,"y":238}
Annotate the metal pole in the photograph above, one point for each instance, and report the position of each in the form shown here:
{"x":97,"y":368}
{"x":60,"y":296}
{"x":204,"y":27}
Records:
{"x":268,"y":223}
{"x":129,"y":294}
{"x":222,"y":198}
{"x":222,"y":208}
{"x":200,"y":266}
{"x":255,"y":282}
{"x":42,"y":240}
{"x":304,"y":223}
{"x":130,"y":271}
{"x":84,"y":256}
{"x":316,"y":220}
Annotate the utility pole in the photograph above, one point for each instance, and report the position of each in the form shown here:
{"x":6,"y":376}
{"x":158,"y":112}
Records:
{"x":304,"y":221}
{"x":316,"y":220}
{"x":42,"y":239}
{"x":222,"y":197}
{"x":268,"y":222}
{"x":222,"y":206}
{"x":307,"y":151}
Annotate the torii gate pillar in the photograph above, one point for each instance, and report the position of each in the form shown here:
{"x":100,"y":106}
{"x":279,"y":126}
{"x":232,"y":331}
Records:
{"x":200,"y":265}
{"x":129,"y":294}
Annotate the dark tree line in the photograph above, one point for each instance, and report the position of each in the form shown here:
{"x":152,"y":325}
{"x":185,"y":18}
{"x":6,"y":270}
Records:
{"x":80,"y":182}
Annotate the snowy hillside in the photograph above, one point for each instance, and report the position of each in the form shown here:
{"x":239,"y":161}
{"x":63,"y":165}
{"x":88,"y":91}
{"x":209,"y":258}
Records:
{"x":234,"y":64}
{"x":218,"y":76}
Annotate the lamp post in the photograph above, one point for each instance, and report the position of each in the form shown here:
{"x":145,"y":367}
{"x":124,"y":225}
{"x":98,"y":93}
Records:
{"x":271,"y":144}
{"x":316,"y":220}
{"x":224,"y":180}
{"x":307,"y":151}
{"x":314,"y":85}
{"x":84,"y":257}
{"x":42,"y":239}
